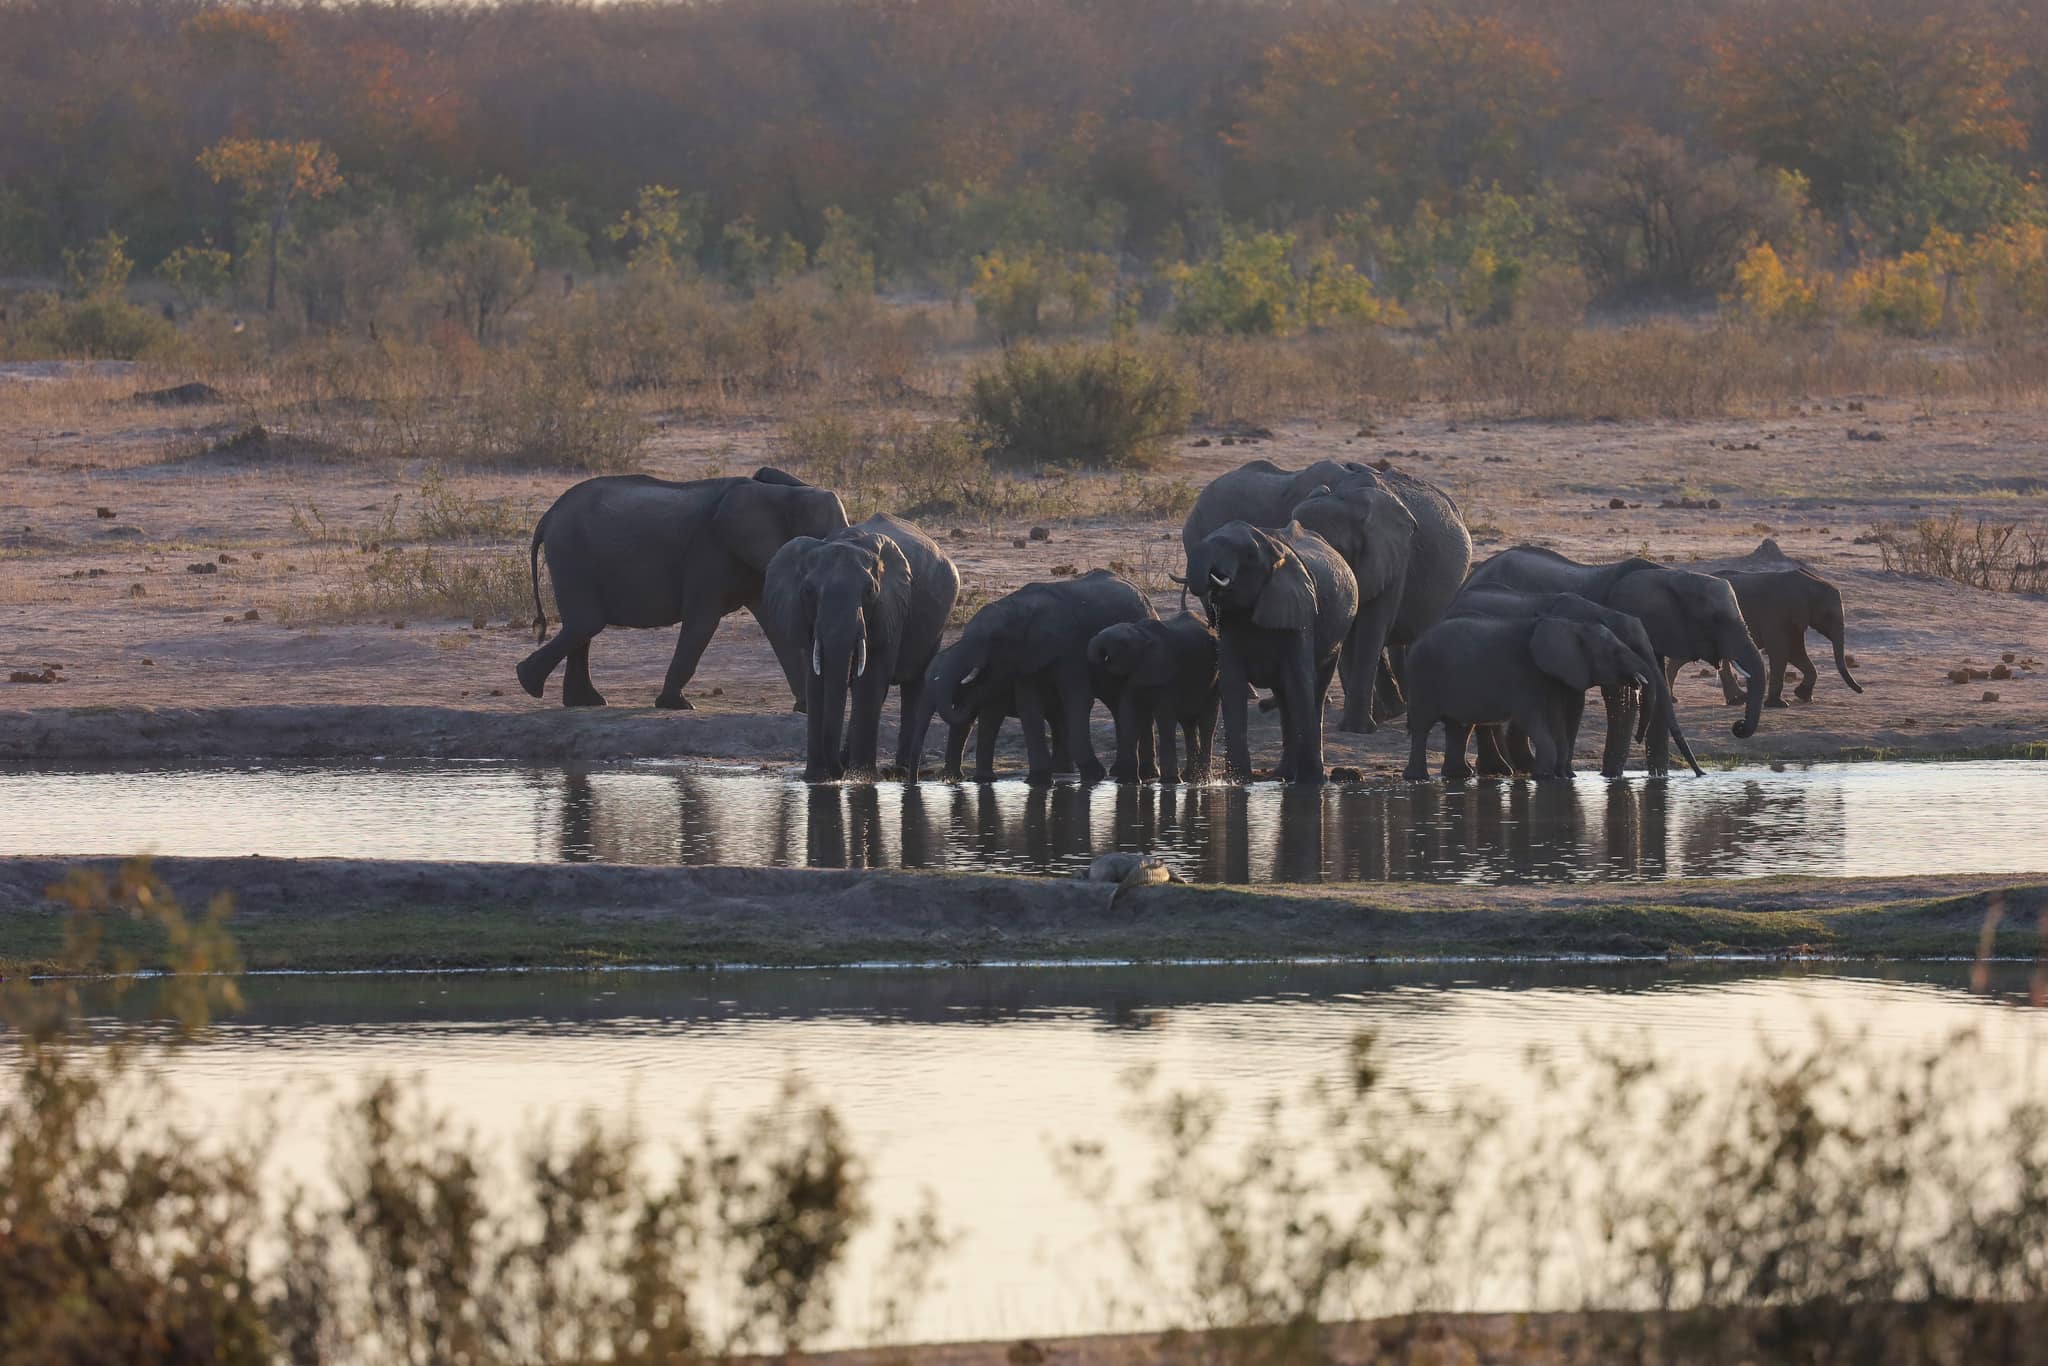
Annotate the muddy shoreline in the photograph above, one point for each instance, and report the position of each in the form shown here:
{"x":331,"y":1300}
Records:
{"x":356,"y":914}
{"x":313,"y":731}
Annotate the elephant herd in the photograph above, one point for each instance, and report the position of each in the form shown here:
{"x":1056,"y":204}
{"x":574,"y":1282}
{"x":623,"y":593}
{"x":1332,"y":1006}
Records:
{"x":1344,"y":572}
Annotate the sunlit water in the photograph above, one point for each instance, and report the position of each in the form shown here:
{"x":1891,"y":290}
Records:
{"x":1837,"y":820}
{"x":963,"y":1083}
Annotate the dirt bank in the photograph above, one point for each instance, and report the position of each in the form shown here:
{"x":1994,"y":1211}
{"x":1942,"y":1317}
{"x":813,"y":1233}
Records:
{"x":355,"y":914}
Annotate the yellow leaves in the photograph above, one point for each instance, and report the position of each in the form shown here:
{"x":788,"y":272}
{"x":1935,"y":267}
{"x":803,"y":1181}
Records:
{"x":1767,"y":291}
{"x":273,"y":168}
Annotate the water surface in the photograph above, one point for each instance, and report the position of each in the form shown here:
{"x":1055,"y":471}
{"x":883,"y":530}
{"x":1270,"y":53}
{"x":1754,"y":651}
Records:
{"x":1845,"y":820}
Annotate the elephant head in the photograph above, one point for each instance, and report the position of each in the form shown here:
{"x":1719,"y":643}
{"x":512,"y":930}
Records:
{"x":1584,"y":655}
{"x":843,"y":590}
{"x":758,"y":516}
{"x":1240,"y":571}
{"x":1694,"y":616}
{"x":1371,"y":528}
{"x":1131,"y":651}
{"x":1824,"y":614}
{"x":959,"y":677}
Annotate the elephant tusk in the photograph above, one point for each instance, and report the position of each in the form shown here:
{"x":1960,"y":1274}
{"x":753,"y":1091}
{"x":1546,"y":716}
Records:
{"x":970,"y":675}
{"x":1220,"y":580}
{"x":817,"y":659}
{"x":860,"y":657}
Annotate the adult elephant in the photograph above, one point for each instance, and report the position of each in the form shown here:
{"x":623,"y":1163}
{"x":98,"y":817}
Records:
{"x":1657,"y":712}
{"x":633,"y":550}
{"x":1029,"y":650}
{"x":857,"y":610}
{"x":1408,"y":550}
{"x":1260,"y":493}
{"x":1688,"y":616}
{"x":1282,"y":603}
{"x":1532,"y":672}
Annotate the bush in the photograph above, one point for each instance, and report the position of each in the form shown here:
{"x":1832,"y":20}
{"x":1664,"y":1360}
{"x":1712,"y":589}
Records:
{"x":1251,"y":287}
{"x":901,"y":464}
{"x":545,"y":416}
{"x":1902,"y":296}
{"x":102,"y":327}
{"x":1100,"y":407}
{"x":2003,"y":557}
{"x":1768,"y":292}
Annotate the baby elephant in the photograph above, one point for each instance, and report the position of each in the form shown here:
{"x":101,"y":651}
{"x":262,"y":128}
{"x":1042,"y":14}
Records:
{"x":1168,"y":673}
{"x":1472,"y":671}
{"x":1780,"y":606}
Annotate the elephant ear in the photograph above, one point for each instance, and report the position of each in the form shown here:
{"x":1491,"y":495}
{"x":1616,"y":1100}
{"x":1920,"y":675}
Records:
{"x":892,"y":597}
{"x":1389,"y":538}
{"x":1155,"y":661}
{"x":1560,"y":649}
{"x":1288,"y":601}
{"x":756,"y":518}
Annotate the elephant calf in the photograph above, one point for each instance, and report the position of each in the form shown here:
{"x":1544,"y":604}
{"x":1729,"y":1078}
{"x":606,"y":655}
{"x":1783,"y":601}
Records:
{"x":1282,"y":603}
{"x":1474,"y":671}
{"x":1780,"y":606}
{"x":1168,"y":673}
{"x":862,"y":608}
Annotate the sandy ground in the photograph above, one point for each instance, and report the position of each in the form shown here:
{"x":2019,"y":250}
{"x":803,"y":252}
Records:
{"x":108,"y":606}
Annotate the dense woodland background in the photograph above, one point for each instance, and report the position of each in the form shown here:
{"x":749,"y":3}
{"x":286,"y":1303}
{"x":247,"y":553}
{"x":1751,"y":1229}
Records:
{"x":1250,"y":166}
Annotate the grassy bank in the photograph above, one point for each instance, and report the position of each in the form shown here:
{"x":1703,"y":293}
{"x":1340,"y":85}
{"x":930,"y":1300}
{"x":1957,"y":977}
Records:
{"x":338,"y":915}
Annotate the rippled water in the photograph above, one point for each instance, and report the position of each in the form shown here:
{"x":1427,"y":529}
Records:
{"x":1845,"y":820}
{"x":963,"y":1083}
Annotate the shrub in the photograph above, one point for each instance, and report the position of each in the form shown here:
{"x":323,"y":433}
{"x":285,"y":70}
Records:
{"x":1902,"y":296}
{"x":101,"y":327}
{"x":543,"y":415}
{"x":1251,"y":287}
{"x":901,"y":464}
{"x":2000,"y":556}
{"x":396,"y":584}
{"x":1100,"y":407}
{"x":1768,"y":292}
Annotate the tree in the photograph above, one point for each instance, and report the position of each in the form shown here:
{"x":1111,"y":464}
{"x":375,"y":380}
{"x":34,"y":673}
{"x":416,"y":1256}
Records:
{"x":1865,"y":98}
{"x":273,"y":176}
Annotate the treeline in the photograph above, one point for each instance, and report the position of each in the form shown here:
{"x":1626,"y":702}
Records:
{"x":1258,"y":165}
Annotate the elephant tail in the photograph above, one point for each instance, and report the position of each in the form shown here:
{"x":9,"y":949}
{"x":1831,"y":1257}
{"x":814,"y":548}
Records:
{"x":540,"y":616}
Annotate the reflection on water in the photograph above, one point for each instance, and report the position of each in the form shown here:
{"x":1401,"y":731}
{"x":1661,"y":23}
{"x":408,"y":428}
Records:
{"x":1847,"y":820}
{"x":962,"y":1083}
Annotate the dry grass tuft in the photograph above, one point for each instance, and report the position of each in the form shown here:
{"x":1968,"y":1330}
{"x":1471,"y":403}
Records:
{"x":2003,"y":557}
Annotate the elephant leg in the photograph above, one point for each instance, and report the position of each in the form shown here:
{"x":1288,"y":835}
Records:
{"x":1037,"y":753}
{"x":1200,"y":735}
{"x":1493,"y":755}
{"x":988,"y":726}
{"x":1808,"y":675}
{"x":1568,"y":733}
{"x":864,"y":727}
{"x":1363,"y":646}
{"x":1455,"y":768}
{"x":1620,"y":703}
{"x":577,"y":689}
{"x":1732,"y":691}
{"x":1076,"y":704}
{"x":1387,"y":703}
{"x":1418,"y":746}
{"x":1237,"y":755}
{"x":909,"y":727}
{"x":1520,"y":747}
{"x":1310,"y":684}
{"x":1169,"y":752}
{"x":1774,"y":668}
{"x":1540,"y":727}
{"x":533,"y":670}
{"x":1657,"y":742}
{"x":695,"y":634}
{"x":1130,"y":719}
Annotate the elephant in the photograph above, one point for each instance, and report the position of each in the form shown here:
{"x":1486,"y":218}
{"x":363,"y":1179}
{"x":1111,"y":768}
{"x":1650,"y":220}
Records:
{"x":1781,"y":606}
{"x":1282,"y":603}
{"x":1398,"y":595}
{"x":1487,"y":602}
{"x":1474,"y":670}
{"x":863,"y":607}
{"x":1688,"y":615}
{"x":1408,"y":549}
{"x":1028,"y":650}
{"x":633,"y":550}
{"x":1168,"y":673}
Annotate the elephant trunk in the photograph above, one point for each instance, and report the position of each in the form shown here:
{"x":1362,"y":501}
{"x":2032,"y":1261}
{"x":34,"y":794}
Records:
{"x":1841,"y":661}
{"x":1744,"y":655}
{"x":837,"y":653}
{"x":1666,"y":708}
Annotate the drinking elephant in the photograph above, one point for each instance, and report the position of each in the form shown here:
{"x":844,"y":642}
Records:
{"x":1688,"y":616}
{"x":1469,"y":671}
{"x":1031,"y":647}
{"x":1657,"y":709}
{"x":860,"y":609}
{"x":1780,"y":607}
{"x":1408,"y":549}
{"x":632,"y":550}
{"x":1282,"y":603}
{"x":1168,"y":673}
{"x":986,"y":725}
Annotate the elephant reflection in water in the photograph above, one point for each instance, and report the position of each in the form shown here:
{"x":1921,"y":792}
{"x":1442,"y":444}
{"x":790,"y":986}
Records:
{"x":689,"y":819}
{"x":1636,"y":827}
{"x":1496,"y":832}
{"x":1734,"y":828}
{"x":843,"y":827}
